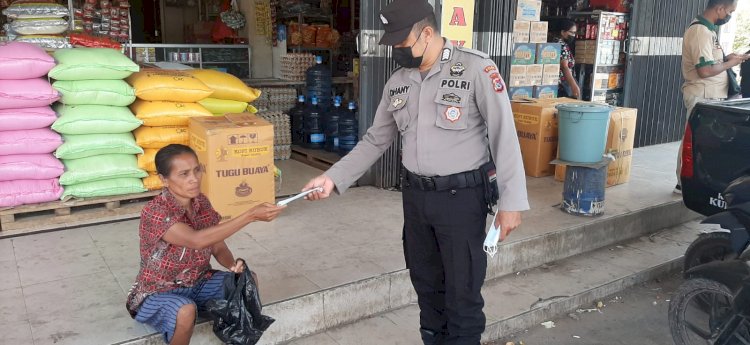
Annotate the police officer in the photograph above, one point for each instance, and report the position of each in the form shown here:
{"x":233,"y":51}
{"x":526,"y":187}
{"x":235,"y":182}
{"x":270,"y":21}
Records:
{"x":451,"y":108}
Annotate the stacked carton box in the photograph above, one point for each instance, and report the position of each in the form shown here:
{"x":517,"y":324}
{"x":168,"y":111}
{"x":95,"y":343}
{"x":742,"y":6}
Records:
{"x":535,"y":66}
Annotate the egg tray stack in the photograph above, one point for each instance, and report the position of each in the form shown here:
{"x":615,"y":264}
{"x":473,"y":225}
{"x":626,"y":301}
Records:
{"x":294,"y":65}
{"x":276,"y":99}
{"x":282,"y":133}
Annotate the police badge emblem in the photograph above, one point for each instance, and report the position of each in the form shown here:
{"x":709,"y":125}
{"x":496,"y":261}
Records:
{"x":452,"y":114}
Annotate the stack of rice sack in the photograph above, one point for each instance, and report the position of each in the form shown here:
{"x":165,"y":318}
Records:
{"x":95,"y":121}
{"x":231,"y":95}
{"x":40,"y":22}
{"x":28,"y":171}
{"x":167,"y":99}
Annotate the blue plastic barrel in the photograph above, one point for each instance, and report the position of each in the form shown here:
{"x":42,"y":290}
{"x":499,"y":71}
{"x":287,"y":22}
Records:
{"x":583,"y":131}
{"x":583,"y":190}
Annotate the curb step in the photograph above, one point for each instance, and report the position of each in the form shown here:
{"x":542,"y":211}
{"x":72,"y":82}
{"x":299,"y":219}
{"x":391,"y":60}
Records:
{"x":517,"y":302}
{"x":316,"y":312}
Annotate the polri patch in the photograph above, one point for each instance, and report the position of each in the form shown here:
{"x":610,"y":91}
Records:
{"x":452,"y":98}
{"x":490,"y":68}
{"x":457,"y":84}
{"x":452,"y":114}
{"x":457,"y":70}
{"x":400,"y":90}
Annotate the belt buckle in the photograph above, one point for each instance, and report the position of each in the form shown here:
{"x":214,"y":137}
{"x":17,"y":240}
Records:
{"x":428,"y":183}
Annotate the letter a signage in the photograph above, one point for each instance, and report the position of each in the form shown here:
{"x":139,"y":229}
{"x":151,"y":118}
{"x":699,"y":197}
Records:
{"x":457,"y":22}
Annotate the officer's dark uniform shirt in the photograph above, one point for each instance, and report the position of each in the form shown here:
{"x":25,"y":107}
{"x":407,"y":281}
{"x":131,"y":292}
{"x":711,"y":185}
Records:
{"x":449,"y":122}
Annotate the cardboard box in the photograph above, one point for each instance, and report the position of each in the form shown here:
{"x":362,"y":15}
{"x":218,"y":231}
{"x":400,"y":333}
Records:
{"x":534,"y":74}
{"x":537,"y":128}
{"x":518,"y":76}
{"x":620,"y":140}
{"x":546,"y":91}
{"x":551,"y":74}
{"x":523,"y":92}
{"x":521,"y":31}
{"x":236,"y":152}
{"x":529,"y":10}
{"x":538,"y":32}
{"x":524,"y":54}
{"x":548,"y":53}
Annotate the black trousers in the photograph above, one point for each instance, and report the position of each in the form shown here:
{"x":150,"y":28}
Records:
{"x":443,"y":238}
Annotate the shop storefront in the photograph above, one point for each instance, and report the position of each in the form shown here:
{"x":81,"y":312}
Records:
{"x":624,"y":59}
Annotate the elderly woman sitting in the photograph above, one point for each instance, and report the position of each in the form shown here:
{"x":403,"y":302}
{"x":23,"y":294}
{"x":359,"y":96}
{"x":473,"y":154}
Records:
{"x":179,"y":232}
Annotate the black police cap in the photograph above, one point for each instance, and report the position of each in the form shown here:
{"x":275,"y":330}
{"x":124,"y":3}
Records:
{"x":400,"y":16}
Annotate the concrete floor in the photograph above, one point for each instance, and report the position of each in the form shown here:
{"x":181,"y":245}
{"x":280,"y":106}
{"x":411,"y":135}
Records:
{"x":635,"y":316}
{"x":85,"y":273}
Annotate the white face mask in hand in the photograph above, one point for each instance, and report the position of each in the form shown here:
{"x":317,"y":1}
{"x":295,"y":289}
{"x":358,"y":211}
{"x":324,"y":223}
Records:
{"x":493,"y":237}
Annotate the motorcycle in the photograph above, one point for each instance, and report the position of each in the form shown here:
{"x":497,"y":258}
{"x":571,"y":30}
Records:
{"x":713,"y":305}
{"x":734,"y":235}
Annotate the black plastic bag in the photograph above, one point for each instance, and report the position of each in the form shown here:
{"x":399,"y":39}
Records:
{"x":237,"y":319}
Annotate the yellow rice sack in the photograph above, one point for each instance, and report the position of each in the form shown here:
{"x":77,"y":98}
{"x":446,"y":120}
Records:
{"x":158,"y":137}
{"x":146,"y":160}
{"x":168,"y":85}
{"x":160,"y":113}
{"x":152,"y":182}
{"x":225,"y":85}
{"x":221,"y":106}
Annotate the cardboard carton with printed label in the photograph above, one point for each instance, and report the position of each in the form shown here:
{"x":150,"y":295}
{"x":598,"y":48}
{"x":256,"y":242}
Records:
{"x":523,"y":92}
{"x":529,"y":10}
{"x":538,"y":32}
{"x":537,"y":128}
{"x":534,"y":74}
{"x":236,"y":152}
{"x":548,"y":53}
{"x":521,"y":31}
{"x":518,"y":76}
{"x":551,"y":74}
{"x":524,"y":54}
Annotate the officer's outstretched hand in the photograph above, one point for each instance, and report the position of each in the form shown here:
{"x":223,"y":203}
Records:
{"x":507,"y":221}
{"x":320,"y":181}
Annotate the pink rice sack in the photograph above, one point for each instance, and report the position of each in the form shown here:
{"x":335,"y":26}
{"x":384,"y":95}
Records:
{"x":29,"y":141}
{"x":28,"y":93}
{"x":30,"y":167}
{"x":20,"y":60}
{"x":20,"y":192}
{"x":27,"y":118}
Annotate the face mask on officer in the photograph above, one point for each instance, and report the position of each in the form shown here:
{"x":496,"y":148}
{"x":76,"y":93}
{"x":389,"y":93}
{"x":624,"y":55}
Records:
{"x":405,"y":57}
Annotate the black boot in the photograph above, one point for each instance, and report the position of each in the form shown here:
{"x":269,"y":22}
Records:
{"x":431,"y":337}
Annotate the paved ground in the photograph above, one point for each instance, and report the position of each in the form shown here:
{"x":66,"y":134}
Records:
{"x":635,"y":316}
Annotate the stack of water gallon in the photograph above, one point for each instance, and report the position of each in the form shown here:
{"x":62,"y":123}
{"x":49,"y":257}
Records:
{"x":28,"y":171}
{"x":231,"y":95}
{"x":99,"y":149}
{"x":167,"y":99}
{"x":583,"y":136}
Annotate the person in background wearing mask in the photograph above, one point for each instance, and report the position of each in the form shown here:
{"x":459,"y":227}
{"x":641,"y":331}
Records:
{"x":568,"y":86}
{"x":451,"y":107}
{"x":704,"y":64}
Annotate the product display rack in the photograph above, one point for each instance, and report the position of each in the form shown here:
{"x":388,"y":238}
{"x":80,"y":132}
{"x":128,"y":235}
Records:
{"x":600,"y":58}
{"x":195,"y":55}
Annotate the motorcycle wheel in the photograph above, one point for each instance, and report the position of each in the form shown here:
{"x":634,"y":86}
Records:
{"x":708,"y":247}
{"x":698,"y":310}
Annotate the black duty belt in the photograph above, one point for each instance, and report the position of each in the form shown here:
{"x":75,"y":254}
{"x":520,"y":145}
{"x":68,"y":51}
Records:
{"x":467,"y":179}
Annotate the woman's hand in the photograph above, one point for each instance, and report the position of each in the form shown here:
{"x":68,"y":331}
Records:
{"x":238,"y":267}
{"x":265,"y":212}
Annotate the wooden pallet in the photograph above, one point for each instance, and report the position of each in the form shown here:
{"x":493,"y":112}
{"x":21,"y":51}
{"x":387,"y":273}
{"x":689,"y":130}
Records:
{"x":320,"y":159}
{"x":76,"y":212}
